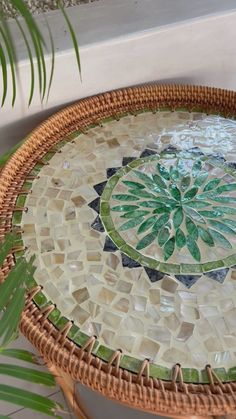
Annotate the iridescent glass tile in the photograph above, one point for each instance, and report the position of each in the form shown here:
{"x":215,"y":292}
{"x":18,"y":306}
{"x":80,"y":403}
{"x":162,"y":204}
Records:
{"x":134,"y":230}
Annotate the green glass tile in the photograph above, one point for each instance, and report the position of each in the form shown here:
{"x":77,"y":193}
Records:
{"x":106,"y":195}
{"x":36,"y":169}
{"x":130,"y":251}
{"x":40,"y":299}
{"x":168,"y":154}
{"x":209,"y":266}
{"x":232,"y":374}
{"x":73,"y":331}
{"x":108,"y":224}
{"x":130,"y":363}
{"x":61,"y":322}
{"x":190,"y":375}
{"x":221,"y":374}
{"x":104,"y":353}
{"x":27,"y":185}
{"x":157,"y":371}
{"x":123,"y":171}
{"x":169,"y":268}
{"x":80,"y":338}
{"x":190,"y":268}
{"x":193,"y":248}
{"x":112,"y":182}
{"x":48,"y":156}
{"x":149,"y":262}
{"x":116,"y":238}
{"x":95,"y":347}
{"x":131,"y":224}
{"x":169,"y":248}
{"x":204,"y":377}
{"x":230,"y":260}
{"x":109,"y":119}
{"x":136,"y":163}
{"x":105,"y":208}
{"x":17,"y":217}
{"x":165,"y":109}
{"x":54,"y":315}
{"x":73,"y":135}
{"x":20,"y":202}
{"x":146,"y":240}
{"x":62,"y":143}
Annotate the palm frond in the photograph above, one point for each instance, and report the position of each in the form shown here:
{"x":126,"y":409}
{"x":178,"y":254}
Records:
{"x":12,"y":299}
{"x":35,"y":45}
{"x":29,"y":400}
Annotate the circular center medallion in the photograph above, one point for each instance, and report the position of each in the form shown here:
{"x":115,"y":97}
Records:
{"x":172,"y":211}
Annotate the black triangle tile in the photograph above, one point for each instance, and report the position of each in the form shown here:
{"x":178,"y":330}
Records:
{"x":231,"y":164}
{"x":127,"y":262}
{"x":127,"y":160}
{"x":218,"y":275}
{"x":112,"y":171}
{"x":109,"y":246}
{"x":147,"y":152}
{"x":95,"y":205}
{"x":170,"y":148}
{"x":97,"y":225}
{"x":99,"y":188}
{"x":154,"y":275}
{"x":196,"y":150}
{"x":188,"y":280}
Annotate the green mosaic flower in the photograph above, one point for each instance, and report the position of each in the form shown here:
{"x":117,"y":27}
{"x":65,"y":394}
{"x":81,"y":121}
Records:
{"x":176,"y":206}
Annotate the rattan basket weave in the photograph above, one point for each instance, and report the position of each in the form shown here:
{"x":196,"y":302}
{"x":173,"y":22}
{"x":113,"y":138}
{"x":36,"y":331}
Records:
{"x":78,"y":363}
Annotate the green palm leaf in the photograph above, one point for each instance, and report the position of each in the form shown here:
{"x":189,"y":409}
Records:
{"x":27,"y":374}
{"x":8,"y":41}
{"x":6,"y":247}
{"x":3,"y":63}
{"x":19,"y":354}
{"x":29,"y":400}
{"x":32,"y":78}
{"x":72,"y":34}
{"x":11,"y":317}
{"x":35,"y":46}
{"x":12,"y":299}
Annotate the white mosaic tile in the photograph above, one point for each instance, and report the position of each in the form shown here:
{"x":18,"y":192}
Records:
{"x":146,"y":313}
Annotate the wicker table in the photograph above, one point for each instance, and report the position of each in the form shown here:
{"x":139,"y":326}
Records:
{"x":127,"y":199}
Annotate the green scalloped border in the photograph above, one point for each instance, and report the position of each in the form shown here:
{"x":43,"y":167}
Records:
{"x":129,"y":363}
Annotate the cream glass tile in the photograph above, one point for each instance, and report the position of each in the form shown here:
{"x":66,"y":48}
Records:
{"x":146,"y":312}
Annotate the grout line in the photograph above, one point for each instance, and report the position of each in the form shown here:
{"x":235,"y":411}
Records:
{"x":23,"y":408}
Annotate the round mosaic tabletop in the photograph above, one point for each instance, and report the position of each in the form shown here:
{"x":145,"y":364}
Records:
{"x":133,"y":225}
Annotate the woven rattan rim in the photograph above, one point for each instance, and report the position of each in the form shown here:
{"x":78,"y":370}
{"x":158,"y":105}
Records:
{"x":140,"y":391}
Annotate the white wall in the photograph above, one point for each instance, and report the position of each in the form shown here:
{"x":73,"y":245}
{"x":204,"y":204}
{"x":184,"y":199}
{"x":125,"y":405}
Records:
{"x":129,"y":42}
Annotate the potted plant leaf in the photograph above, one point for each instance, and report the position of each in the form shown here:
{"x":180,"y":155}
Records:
{"x":13,"y":292}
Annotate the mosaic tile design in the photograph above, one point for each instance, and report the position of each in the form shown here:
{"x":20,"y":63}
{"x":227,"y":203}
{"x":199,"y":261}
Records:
{"x":133,"y":226}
